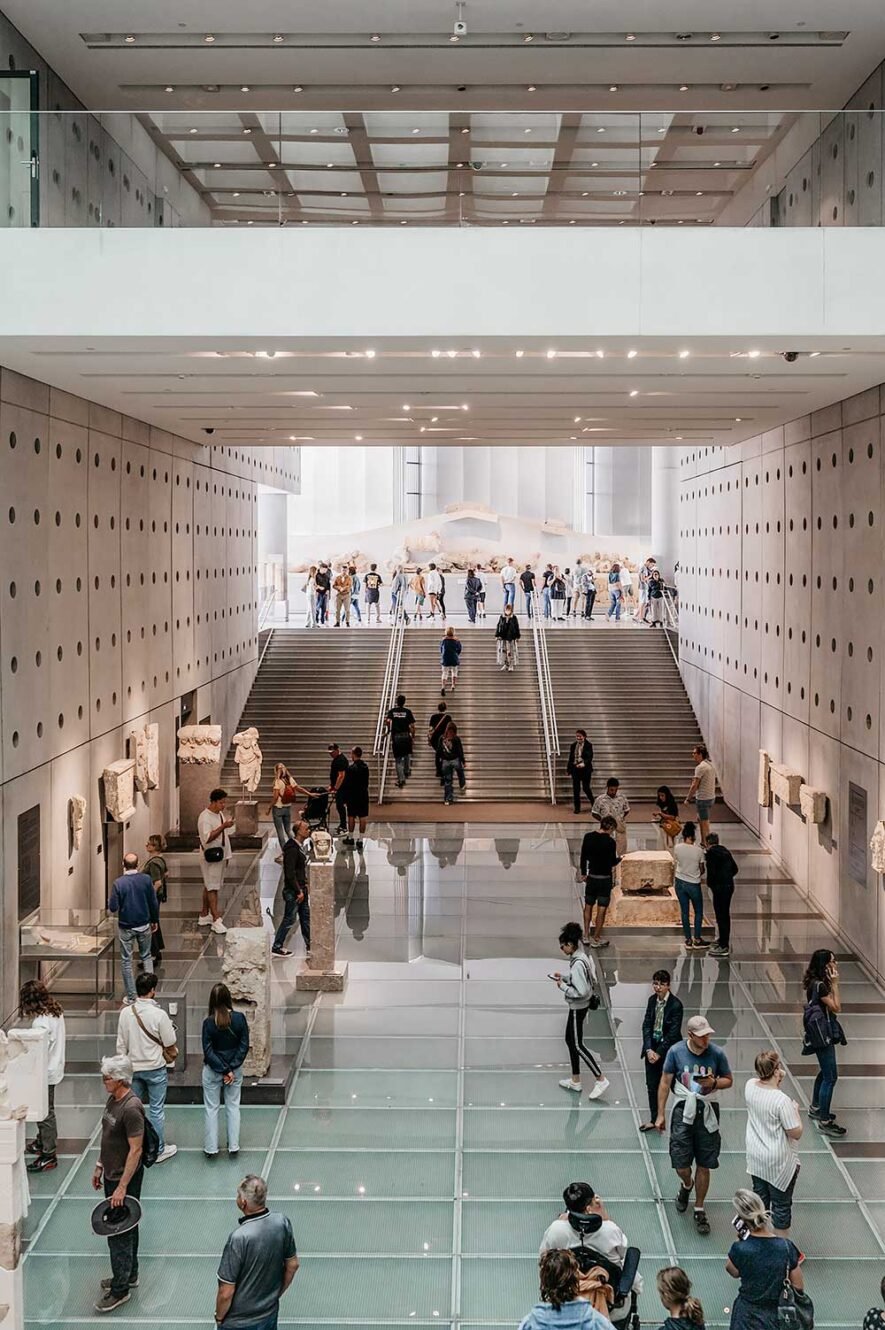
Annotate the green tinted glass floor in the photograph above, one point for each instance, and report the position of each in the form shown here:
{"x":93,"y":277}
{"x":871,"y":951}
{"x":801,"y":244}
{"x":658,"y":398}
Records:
{"x":425,"y":1141}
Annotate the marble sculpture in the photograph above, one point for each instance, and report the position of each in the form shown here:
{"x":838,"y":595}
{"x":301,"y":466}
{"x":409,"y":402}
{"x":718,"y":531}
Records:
{"x":247,"y":756}
{"x":76,"y":819}
{"x":199,"y":743}
{"x":812,"y":803}
{"x":119,"y":789}
{"x":246,"y":971}
{"x":877,"y":848}
{"x":785,"y":783}
{"x":763,"y":792}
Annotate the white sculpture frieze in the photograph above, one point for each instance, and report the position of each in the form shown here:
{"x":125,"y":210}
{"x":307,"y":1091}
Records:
{"x":247,"y":756}
{"x":138,"y":753}
{"x":76,"y":819}
{"x":813,"y":803}
{"x":877,"y":848}
{"x":119,"y":789}
{"x":152,"y":738}
{"x":199,"y":743}
{"x":763,"y":792}
{"x":785,"y":783}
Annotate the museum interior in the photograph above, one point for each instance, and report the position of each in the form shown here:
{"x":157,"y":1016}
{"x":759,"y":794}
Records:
{"x":326,"y":678}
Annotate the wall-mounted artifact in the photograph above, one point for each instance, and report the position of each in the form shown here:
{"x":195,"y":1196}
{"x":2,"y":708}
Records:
{"x":763,"y":791}
{"x":877,"y":848}
{"x":119,"y":789}
{"x":199,"y":743}
{"x":76,"y":819}
{"x":785,"y":783}
{"x":813,"y":803}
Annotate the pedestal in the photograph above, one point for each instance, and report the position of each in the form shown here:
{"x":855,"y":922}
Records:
{"x":196,"y":781}
{"x":13,"y":1212}
{"x":629,"y":910}
{"x":646,"y":868}
{"x":246,"y":817}
{"x":320,"y":973}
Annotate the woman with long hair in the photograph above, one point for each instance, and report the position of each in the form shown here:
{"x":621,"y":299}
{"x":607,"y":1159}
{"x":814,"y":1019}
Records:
{"x":666,"y":817}
{"x":285,"y":788}
{"x":157,"y":870}
{"x":225,"y":1045}
{"x":560,"y":1304}
{"x":310,"y":591}
{"x":821,"y":985}
{"x":773,"y":1127}
{"x":38,"y":1004}
{"x":507,"y":634}
{"x":762,"y":1261}
{"x":449,"y":661}
{"x":451,"y":762}
{"x":684,"y":1312}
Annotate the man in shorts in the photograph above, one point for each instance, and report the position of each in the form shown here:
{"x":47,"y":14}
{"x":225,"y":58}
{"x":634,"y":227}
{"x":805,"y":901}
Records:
{"x":695,"y":1070}
{"x":599,"y":857}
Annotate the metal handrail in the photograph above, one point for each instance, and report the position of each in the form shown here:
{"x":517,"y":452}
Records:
{"x":266,"y":608}
{"x":545,"y":693}
{"x":671,"y":624}
{"x":389,"y":689}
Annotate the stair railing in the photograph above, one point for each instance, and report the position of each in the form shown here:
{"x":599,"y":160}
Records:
{"x":671,"y":621}
{"x":264,"y":612}
{"x":389,"y":689}
{"x":545,"y":694}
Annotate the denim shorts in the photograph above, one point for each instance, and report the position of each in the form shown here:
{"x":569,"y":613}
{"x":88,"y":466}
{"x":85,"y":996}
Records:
{"x":704,"y":807}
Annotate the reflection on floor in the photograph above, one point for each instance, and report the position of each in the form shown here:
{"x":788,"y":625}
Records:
{"x":425,"y":1143}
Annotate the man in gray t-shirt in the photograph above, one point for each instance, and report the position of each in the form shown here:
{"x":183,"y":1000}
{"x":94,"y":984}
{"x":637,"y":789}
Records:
{"x":257,"y":1265}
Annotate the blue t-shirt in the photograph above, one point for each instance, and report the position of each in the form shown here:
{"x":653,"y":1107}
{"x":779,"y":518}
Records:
{"x":687,"y":1067}
{"x":762,"y":1264}
{"x":254,"y":1259}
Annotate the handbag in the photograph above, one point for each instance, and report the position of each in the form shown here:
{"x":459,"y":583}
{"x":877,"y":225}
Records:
{"x":671,"y":826}
{"x":289,"y":794}
{"x":795,"y":1310}
{"x":170,"y":1051}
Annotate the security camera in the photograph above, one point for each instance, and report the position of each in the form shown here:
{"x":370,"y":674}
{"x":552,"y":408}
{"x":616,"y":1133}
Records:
{"x":790,"y":356}
{"x":208,"y":429}
{"x":460,"y":28}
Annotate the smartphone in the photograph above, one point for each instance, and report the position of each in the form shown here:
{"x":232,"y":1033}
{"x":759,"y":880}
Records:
{"x":741,"y":1227}
{"x":552,"y":976}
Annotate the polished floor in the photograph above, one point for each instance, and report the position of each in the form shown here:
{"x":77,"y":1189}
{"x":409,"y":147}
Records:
{"x":425,"y":1141}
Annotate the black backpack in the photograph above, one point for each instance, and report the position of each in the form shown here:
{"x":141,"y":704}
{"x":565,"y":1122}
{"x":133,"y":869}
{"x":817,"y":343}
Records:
{"x":150,"y":1144}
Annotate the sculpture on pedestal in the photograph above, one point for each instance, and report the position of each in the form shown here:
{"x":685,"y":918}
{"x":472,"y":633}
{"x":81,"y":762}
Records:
{"x":119,"y":789}
{"x":247,"y":756}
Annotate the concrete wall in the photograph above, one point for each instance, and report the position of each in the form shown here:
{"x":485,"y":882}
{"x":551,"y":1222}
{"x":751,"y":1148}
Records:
{"x":128,"y":563}
{"x":781,"y":636}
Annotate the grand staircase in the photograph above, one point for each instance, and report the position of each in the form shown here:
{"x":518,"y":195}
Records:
{"x":623,"y":687}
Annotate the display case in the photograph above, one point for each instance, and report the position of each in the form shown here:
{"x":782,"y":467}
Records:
{"x":74,"y":949}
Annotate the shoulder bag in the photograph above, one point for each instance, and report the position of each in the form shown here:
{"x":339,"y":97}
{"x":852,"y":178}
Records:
{"x":795,"y":1310}
{"x":170,"y":1051}
{"x":213,"y":854}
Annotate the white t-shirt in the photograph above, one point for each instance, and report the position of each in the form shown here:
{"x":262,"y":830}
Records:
{"x":771,"y":1155}
{"x":689,"y":859}
{"x":207,"y":822}
{"x":55,"y":1027}
{"x":626,"y":578}
{"x":508,"y":574}
{"x":706,"y":779}
{"x":610,"y":1240}
{"x":433,"y":583}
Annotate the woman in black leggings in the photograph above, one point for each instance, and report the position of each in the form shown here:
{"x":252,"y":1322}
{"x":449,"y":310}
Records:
{"x":578,"y":989}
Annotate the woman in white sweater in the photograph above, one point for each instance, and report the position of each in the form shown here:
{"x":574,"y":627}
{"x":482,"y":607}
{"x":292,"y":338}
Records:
{"x":46,"y":1014}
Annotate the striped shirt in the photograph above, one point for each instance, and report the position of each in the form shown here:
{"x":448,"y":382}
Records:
{"x":771,"y":1155}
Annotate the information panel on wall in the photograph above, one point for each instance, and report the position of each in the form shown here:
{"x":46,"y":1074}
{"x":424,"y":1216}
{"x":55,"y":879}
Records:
{"x":857,"y":833}
{"x":28,"y":861}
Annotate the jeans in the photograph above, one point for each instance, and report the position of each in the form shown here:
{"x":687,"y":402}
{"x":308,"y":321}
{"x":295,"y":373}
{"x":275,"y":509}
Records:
{"x":212,"y":1083}
{"x":355,"y":606}
{"x":589,"y":601}
{"x":509,"y":593}
{"x":269,"y":1323}
{"x":47,"y":1130}
{"x":722,"y":910}
{"x":545,"y":601}
{"x":780,"y":1203}
{"x":528,"y":604}
{"x":150,"y":1086}
{"x":614,"y":605}
{"x":470,"y":602}
{"x":291,"y":908}
{"x":342,"y":810}
{"x":403,"y":764}
{"x":322,"y":606}
{"x":451,"y":767}
{"x":142,"y":938}
{"x":825,"y":1083}
{"x":690,"y":893}
{"x":282,"y":823}
{"x":123,"y":1250}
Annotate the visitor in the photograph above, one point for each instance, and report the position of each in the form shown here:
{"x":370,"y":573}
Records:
{"x":763,"y":1262}
{"x":695,"y":1070}
{"x":689,"y":858}
{"x":661,"y":1029}
{"x":355,"y":588}
{"x":400,"y":725}
{"x":133,"y":900}
{"x":560,"y":1304}
{"x":284,"y":791}
{"x":472,"y":588}
{"x":398,"y":594}
{"x":419,"y":590}
{"x":579,"y":990}
{"x":215,"y":851}
{"x":674,"y":1291}
{"x":606,"y":1238}
{"x":546,"y":579}
{"x":875,"y":1317}
{"x":435,"y":729}
{"x":449,"y":660}
{"x":626,"y":577}
{"x":702,"y":790}
{"x":157,"y":870}
{"x":507,"y":635}
{"x":225,"y":1038}
{"x":641,"y":611}
{"x":310,"y":591}
{"x":434,"y":583}
{"x":615,"y":592}
{"x":295,"y":893}
{"x":666,"y":817}
{"x":527,"y":582}
{"x":442,"y":594}
{"x":721,"y":872}
{"x":480,"y":595}
{"x":599,"y":858}
{"x":773,"y":1127}
{"x":356,"y":796}
{"x":146,"y":1036}
{"x":45,"y":1013}
{"x":821,"y":985}
{"x":337,"y":772}
{"x":323,"y":587}
{"x":580,"y":768}
{"x":342,"y":588}
{"x":557,"y":595}
{"x":616,"y":805}
{"x":120,"y":1172}
{"x":508,"y":583}
{"x":451,"y":761}
{"x":655,"y":602}
{"x":588,"y":587}
{"x":373,"y":582}
{"x":258,"y":1263}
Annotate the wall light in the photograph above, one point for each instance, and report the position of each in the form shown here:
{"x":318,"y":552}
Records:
{"x":631,"y":355}
{"x":683,"y":355}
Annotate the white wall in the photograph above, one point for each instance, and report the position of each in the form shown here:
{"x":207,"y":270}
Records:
{"x":781,"y":635}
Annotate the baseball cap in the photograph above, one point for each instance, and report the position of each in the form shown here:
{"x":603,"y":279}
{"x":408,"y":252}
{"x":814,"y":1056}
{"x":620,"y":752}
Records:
{"x":331,"y":746}
{"x":699,"y":1025}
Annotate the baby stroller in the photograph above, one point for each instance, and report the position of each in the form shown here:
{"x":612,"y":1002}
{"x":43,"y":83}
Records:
{"x":316,"y":810}
{"x":623,"y":1312}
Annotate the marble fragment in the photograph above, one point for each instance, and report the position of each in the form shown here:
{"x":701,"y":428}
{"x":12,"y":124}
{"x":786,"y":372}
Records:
{"x":119,"y":789}
{"x":247,"y":756}
{"x":877,"y":848}
{"x":763,"y":792}
{"x":785,"y":783}
{"x":199,"y":743}
{"x":138,"y":753}
{"x":813,"y":803}
{"x":152,"y":741}
{"x":76,"y":819}
{"x":246,"y":971}
{"x":642,"y":870}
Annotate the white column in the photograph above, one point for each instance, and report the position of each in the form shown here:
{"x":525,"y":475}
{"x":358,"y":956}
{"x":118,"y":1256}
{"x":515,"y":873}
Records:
{"x":665,"y":508}
{"x":273,"y":539}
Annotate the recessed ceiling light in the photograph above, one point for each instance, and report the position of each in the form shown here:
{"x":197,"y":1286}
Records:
{"x":715,"y":37}
{"x":465,"y":130}
{"x":278,"y":38}
{"x":699,"y":194}
{"x":717,"y":163}
{"x":683,"y":355}
{"x":514,"y":195}
{"x":634,"y":392}
{"x":192,"y":131}
{"x":454,"y":38}
{"x":578,"y":419}
{"x":129,"y":40}
{"x":406,"y":407}
{"x":572,"y":222}
{"x":434,"y":419}
{"x":551,"y":354}
{"x":736,"y":129}
{"x":329,"y":165}
{"x":531,"y":88}
{"x":272,"y":166}
{"x":236,"y":193}
{"x":359,"y":438}
{"x":464,"y":406}
{"x":613,"y":87}
{"x":314,"y":131}
{"x":435,"y":354}
{"x":370,"y":354}
{"x":528,"y":37}
{"x":395,"y":87}
{"x":738,"y":419}
{"x":216,"y":165}
{"x":754,"y":355}
{"x":416,"y":131}
{"x":247,"y":131}
{"x":169,"y":88}
{"x":812,"y":354}
{"x":600,"y":355}
{"x":245,"y":88}
{"x":683,"y":87}
{"x":526,"y":131}
{"x":249,"y":223}
{"x":451,"y":354}
{"x":519,"y":355}
{"x":209,"y":38}
{"x":298,"y":88}
{"x":601,"y":129}
{"x":631,"y":37}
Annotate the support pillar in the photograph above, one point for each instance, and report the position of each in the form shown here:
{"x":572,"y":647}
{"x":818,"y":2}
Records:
{"x":320,"y":973}
{"x":665,"y":508}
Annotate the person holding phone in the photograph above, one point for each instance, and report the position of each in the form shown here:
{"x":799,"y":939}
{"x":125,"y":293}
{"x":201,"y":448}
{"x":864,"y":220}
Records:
{"x":578,"y":989}
{"x":215,"y":850}
{"x":821,"y":984}
{"x":762,"y":1261}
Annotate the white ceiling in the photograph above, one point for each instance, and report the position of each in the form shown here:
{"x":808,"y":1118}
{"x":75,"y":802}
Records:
{"x":290,"y":391}
{"x":773,"y":53}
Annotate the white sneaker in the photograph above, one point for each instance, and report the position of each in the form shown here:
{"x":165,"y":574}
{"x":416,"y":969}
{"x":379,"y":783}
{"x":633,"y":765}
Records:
{"x":570,"y":1085}
{"x":205,"y":919}
{"x":166,"y":1153}
{"x":599,"y":1088}
{"x":218,"y":927}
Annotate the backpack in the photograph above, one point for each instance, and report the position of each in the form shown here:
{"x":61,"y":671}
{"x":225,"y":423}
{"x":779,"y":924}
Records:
{"x":820,"y":1028}
{"x":150,"y":1144}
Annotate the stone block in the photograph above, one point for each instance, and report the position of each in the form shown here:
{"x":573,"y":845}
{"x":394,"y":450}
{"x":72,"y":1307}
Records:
{"x":646,"y":868}
{"x":763,"y":794}
{"x":119,"y":789}
{"x":152,"y":755}
{"x":877,"y":848}
{"x":785,"y":783}
{"x":246,"y":817}
{"x":246,"y":971}
{"x":76,"y":820}
{"x":24,"y":1056}
{"x":813,"y":803}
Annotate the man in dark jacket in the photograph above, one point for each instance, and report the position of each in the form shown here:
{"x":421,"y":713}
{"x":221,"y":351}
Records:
{"x":599,"y":856}
{"x":133,"y":900}
{"x":661,"y":1028}
{"x":295,"y":896}
{"x":721,"y":872}
{"x":580,"y":767}
{"x":356,"y":796}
